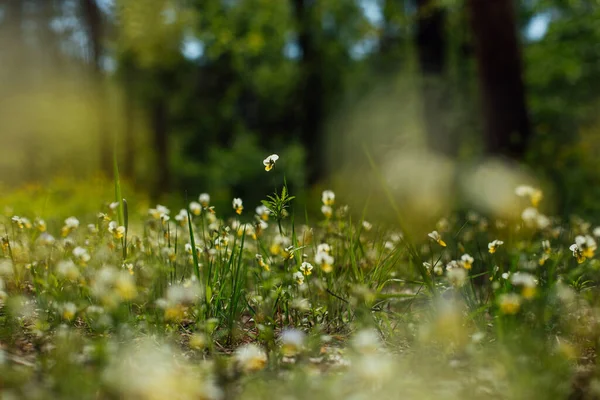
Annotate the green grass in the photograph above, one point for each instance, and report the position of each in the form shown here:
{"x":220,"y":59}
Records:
{"x":182,"y":303}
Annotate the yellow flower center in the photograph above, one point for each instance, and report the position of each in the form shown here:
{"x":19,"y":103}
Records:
{"x":528,"y":292}
{"x":68,"y":315}
{"x":510,"y":307}
{"x":327,"y":268}
{"x":588,"y":253}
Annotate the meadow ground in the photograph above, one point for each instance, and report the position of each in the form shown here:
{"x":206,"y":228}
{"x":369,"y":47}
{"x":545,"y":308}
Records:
{"x":251,"y":303}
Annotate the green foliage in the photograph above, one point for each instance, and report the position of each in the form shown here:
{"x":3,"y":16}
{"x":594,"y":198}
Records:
{"x":278,"y":205}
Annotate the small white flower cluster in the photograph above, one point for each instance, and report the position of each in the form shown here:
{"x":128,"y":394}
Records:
{"x":45,"y":239}
{"x":71,"y":224}
{"x":367,"y":341}
{"x":147,"y":370}
{"x":583,"y":248}
{"x":262,"y":263}
{"x":204,"y":199}
{"x":323,"y":258}
{"x":160,"y":212}
{"x":182,"y":217}
{"x":117,"y":231}
{"x":437,"y":267}
{"x":534,"y":195}
{"x":68,"y":270}
{"x":435,"y":236}
{"x":198,"y":246}
{"x":534,"y":219}
{"x":250,"y":358}
{"x":68,"y":310}
{"x":328,"y":199}
{"x":238,"y":205}
{"x":525,"y":280}
{"x":111,"y":286}
{"x":21,"y":222}
{"x":292,"y":342}
{"x":81,"y":255}
{"x":298,"y":277}
{"x":493,"y":245}
{"x":263,"y":212}
{"x":195,"y":208}
{"x":509,"y":303}
{"x":457,"y":276}
{"x":178,"y":299}
{"x":187,"y":292}
{"x":305,"y":270}
{"x":467,"y":261}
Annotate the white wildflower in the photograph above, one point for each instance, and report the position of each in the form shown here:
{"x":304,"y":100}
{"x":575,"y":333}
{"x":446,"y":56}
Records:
{"x":328,"y":198}
{"x":269,"y":162}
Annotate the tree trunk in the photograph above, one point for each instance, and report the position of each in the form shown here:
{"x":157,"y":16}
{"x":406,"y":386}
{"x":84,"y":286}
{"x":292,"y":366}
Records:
{"x":431,"y":49}
{"x":93,"y":21}
{"x":129,"y":114}
{"x":390,"y":44}
{"x":311,"y":92}
{"x":161,"y":143}
{"x":507,"y":125}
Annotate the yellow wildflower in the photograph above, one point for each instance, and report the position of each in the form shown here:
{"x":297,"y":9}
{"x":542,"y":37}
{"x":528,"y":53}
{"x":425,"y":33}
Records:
{"x":509,"y":303}
{"x":262,"y":263}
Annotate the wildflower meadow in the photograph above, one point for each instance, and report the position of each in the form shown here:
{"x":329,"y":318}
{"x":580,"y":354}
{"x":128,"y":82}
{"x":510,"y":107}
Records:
{"x":261,"y":301}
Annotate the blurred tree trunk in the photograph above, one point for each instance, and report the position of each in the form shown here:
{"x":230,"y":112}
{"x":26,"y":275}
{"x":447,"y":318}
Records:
{"x":161,"y":142}
{"x":93,"y":25}
{"x":311,"y":91}
{"x":431,"y":50}
{"x":129,"y":111}
{"x":128,"y":79}
{"x":390,"y":44}
{"x":507,"y":125}
{"x":13,"y":21}
{"x":48,"y":37}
